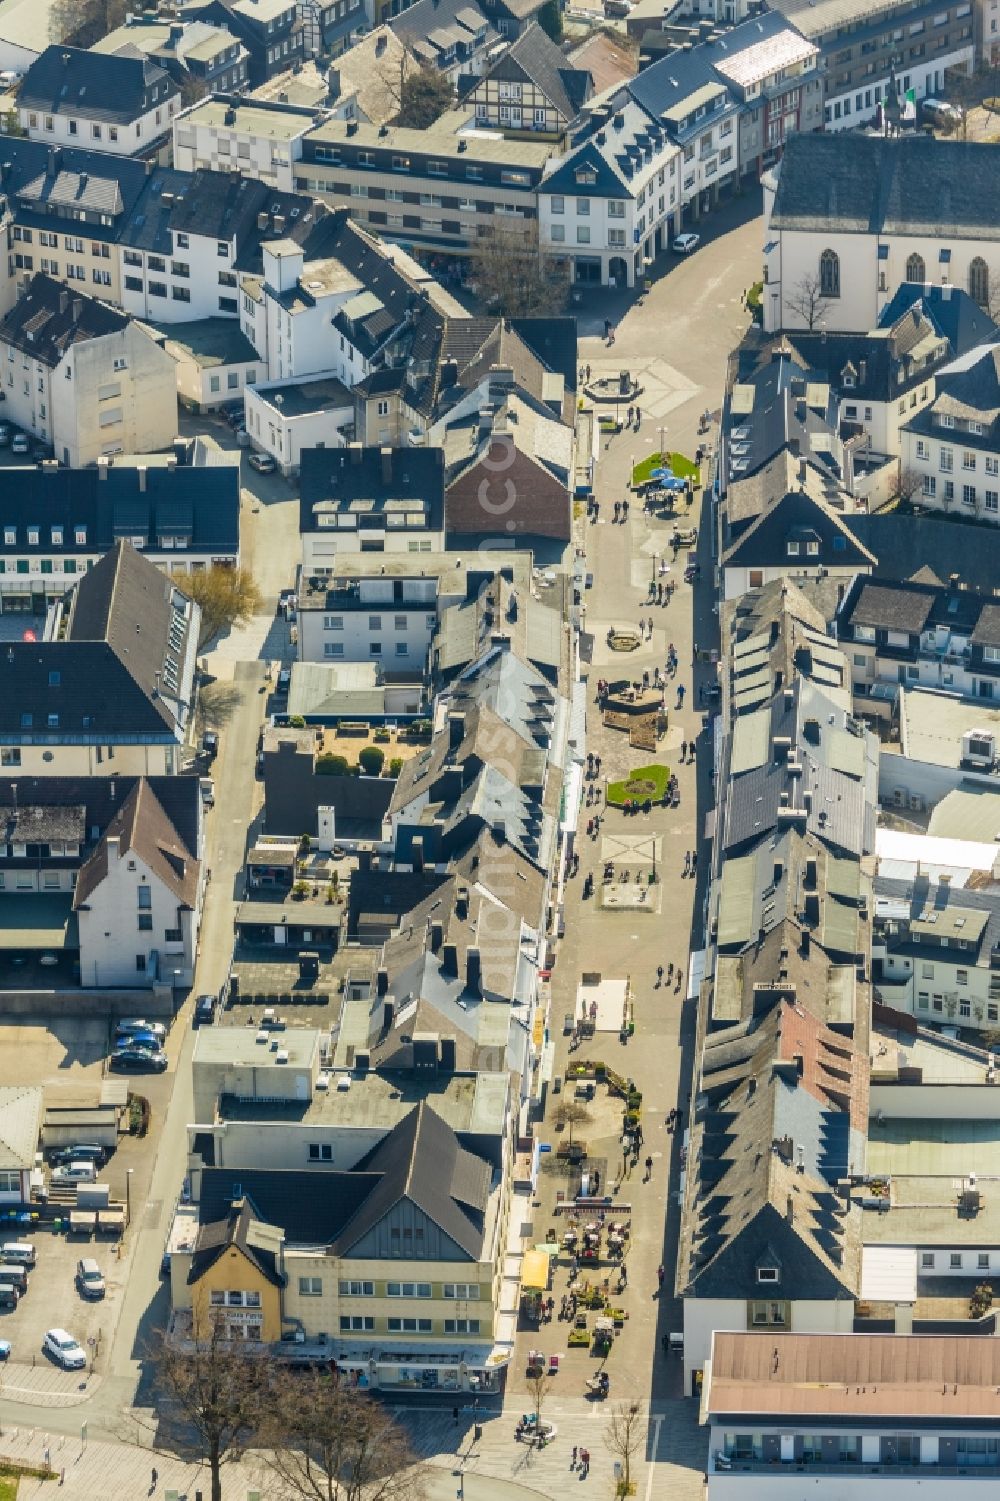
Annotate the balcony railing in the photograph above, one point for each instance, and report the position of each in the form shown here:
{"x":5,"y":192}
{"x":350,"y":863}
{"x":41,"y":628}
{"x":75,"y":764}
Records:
{"x":846,"y":1467}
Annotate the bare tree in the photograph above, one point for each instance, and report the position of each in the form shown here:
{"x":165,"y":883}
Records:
{"x":328,"y":1441}
{"x":539,"y":1386}
{"x":515,"y":275}
{"x":570,"y":1113}
{"x":227,"y":597}
{"x":909,"y":485}
{"x":623,"y":1437}
{"x":214,"y":1393}
{"x":808,"y":299}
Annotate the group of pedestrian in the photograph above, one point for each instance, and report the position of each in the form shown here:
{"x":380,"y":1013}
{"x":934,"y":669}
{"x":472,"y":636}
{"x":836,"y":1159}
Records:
{"x":688,"y":750}
{"x":581,"y":1460}
{"x":690,"y":862}
{"x":609,"y":332}
{"x":621,"y":511}
{"x":634,"y":418}
{"x":671,"y":659}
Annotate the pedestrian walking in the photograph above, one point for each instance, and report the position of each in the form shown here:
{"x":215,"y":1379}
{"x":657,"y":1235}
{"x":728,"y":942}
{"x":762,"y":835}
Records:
{"x":153,"y":1479}
{"x":659,"y":976}
{"x":454,"y":1414}
{"x":607,"y":328}
{"x":660,"y":1275}
{"x":687,"y":861}
{"x":680,"y":694}
{"x":649,"y":1168}
{"x":572,"y":1463}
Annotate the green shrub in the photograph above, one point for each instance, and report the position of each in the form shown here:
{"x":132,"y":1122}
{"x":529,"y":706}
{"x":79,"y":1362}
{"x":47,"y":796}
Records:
{"x":297,"y":722}
{"x":381,"y":736}
{"x":329,"y":765}
{"x":395,"y":766}
{"x":371,"y":760}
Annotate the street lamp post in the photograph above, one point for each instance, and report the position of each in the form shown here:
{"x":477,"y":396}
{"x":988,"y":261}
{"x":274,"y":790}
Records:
{"x":128,"y":1196}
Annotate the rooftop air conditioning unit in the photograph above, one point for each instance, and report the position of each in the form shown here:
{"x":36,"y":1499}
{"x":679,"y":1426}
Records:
{"x":979,"y":748}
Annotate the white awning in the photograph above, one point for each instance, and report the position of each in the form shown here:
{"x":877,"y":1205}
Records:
{"x":889,"y":1274}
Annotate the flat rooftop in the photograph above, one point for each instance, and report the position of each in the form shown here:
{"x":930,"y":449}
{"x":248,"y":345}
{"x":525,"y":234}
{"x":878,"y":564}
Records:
{"x":251,"y":119}
{"x":224,"y":1046}
{"x":467,"y":1102}
{"x":305,"y":399}
{"x":940,"y":1060}
{"x":442,"y":139}
{"x":856,"y":1375}
{"x":927,"y":1212}
{"x":931,"y":725}
{"x":210,"y":342}
{"x":932,"y":1148}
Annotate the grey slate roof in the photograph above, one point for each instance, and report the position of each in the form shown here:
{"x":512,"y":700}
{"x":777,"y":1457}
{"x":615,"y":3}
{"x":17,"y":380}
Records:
{"x":801,"y":517}
{"x":910,"y":185}
{"x":116,"y":87}
{"x":951,"y":311}
{"x":50,"y":317}
{"x":100,"y":799}
{"x":536,"y":58}
{"x":903,"y":545}
{"x":421,"y":1161}
{"x":339,"y":478}
{"x":128,"y":630}
{"x":782,"y":1115}
{"x":198,"y":502}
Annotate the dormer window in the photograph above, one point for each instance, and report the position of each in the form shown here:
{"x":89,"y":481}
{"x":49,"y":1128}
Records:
{"x":586,"y":176}
{"x":768,"y":1274}
{"x":793,"y":549}
{"x":849,"y":382}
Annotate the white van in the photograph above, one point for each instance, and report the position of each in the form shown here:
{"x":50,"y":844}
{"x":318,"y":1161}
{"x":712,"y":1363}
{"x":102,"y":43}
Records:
{"x":18,"y":1253}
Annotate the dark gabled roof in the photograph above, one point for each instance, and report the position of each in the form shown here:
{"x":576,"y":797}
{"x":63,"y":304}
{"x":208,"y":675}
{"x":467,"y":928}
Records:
{"x":775,"y":406}
{"x":339,"y":477}
{"x":101,"y":799}
{"x":585,"y":173}
{"x":225,"y":205}
{"x":127,"y":602}
{"x":421,"y":1161}
{"x":536,"y":58}
{"x":127,"y":632}
{"x":311,"y":1207}
{"x":782,"y":1111}
{"x":35,"y":175}
{"x":117,"y":87}
{"x":143,"y":828}
{"x":952,"y":312}
{"x":232,"y":1229}
{"x":200,"y":502}
{"x":903,"y":545}
{"x":464,"y":18}
{"x":553,"y":341}
{"x":803,"y":519}
{"x":51,"y":317}
{"x":898,"y":607}
{"x":914,"y":185}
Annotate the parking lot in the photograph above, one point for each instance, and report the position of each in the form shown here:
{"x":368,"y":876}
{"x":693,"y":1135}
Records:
{"x":66,"y":1056}
{"x":52,"y":1300}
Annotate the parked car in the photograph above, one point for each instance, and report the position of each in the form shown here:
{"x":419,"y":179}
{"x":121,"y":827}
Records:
{"x":90,"y":1278}
{"x":207,"y":789}
{"x":287,"y":603}
{"x":204,"y":1011}
{"x":131,"y":1024}
{"x":941,"y":112}
{"x":284,"y":682}
{"x":210,"y":744}
{"x":74,"y":1172}
{"x":86,"y":1151}
{"x":4,"y":1349}
{"x":64,"y":1350}
{"x":685,"y":243}
{"x":138,"y":1060}
{"x":233,"y":413}
{"x":146,"y":1040}
{"x":9,"y":1299}
{"x":20,"y":443}
{"x":4,"y":435}
{"x":262,"y":462}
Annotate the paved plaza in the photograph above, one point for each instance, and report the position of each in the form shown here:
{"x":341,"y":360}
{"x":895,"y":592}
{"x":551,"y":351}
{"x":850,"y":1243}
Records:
{"x":691,"y":318}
